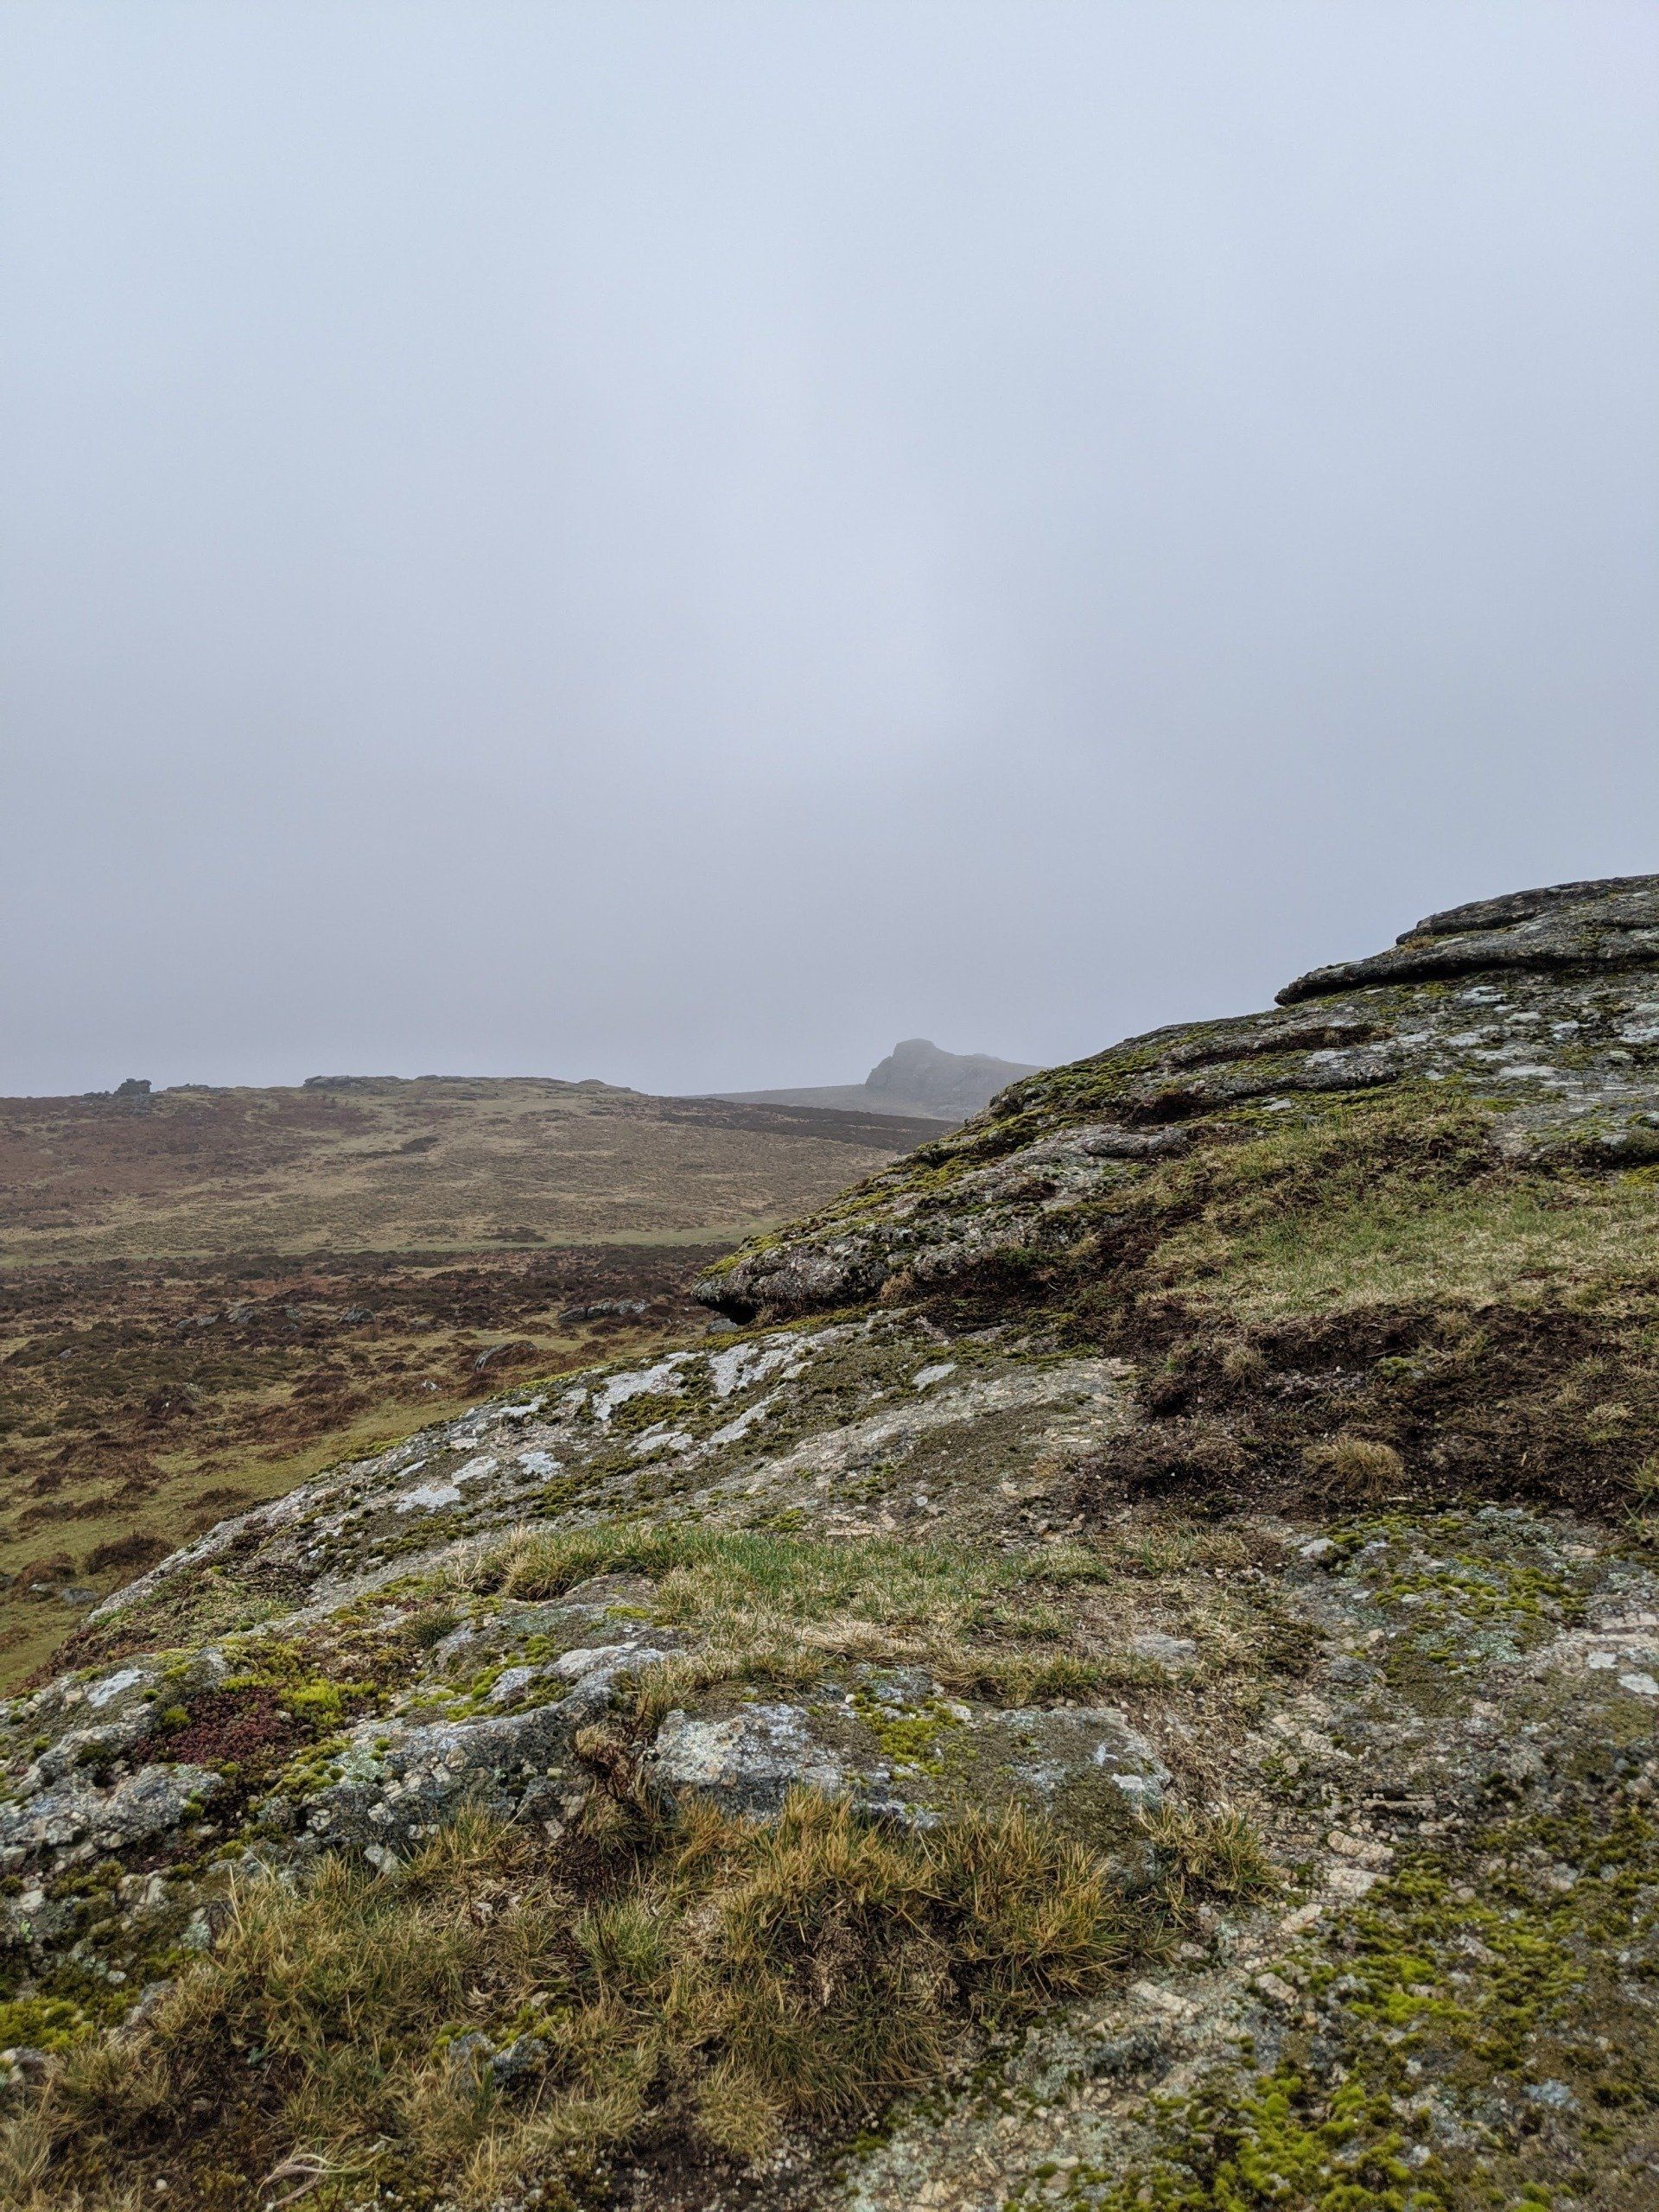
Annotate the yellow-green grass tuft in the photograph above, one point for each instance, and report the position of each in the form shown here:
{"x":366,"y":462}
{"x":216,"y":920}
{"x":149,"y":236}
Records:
{"x":705,"y":1980}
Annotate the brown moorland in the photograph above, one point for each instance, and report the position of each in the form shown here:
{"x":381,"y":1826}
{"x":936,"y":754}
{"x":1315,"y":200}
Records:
{"x":207,"y":1295}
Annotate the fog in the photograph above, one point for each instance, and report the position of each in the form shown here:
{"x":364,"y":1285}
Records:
{"x":686,"y":543}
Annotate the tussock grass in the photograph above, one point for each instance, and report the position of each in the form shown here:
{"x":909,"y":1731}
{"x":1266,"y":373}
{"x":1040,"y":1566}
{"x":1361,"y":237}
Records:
{"x":1355,"y":1467}
{"x":1208,"y":1854}
{"x":707,"y":1980}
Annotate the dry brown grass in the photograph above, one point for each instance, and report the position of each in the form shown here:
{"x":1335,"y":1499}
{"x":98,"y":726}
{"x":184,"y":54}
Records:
{"x":139,"y":1405}
{"x":432,"y":1165}
{"x":707,"y":1980}
{"x":207,"y":1295}
{"x":1355,"y":1467}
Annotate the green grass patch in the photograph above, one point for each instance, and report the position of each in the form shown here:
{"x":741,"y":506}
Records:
{"x":786,"y":1609}
{"x":1385,"y":1201}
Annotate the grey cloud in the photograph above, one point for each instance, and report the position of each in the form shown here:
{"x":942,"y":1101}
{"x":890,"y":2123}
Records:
{"x":687,"y":544}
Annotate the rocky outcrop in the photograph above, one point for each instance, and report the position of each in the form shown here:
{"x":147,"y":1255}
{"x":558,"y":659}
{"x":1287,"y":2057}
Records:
{"x":951,"y":1086}
{"x":916,"y":1079}
{"x":1544,"y":1007}
{"x":900,"y":1747}
{"x":1570,"y":927}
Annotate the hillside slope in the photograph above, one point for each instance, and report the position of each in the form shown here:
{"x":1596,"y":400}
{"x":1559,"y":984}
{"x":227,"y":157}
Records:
{"x":440,"y":1163}
{"x":1127,"y":1676}
{"x":205,"y":1295}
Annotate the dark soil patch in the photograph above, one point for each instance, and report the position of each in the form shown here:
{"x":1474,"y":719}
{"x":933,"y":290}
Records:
{"x":1545,"y":1404}
{"x":128,"y":1554}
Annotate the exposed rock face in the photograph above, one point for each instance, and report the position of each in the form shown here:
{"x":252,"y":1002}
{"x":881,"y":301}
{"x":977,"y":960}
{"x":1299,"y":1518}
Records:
{"x":749,"y":1761}
{"x":1571,"y":926}
{"x":77,"y":1818}
{"x":1117,"y":1463}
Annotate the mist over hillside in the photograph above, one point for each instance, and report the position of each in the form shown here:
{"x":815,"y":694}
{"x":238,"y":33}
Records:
{"x":916,"y":1078}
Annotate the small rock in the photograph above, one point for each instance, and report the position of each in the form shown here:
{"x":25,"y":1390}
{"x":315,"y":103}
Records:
{"x":427,"y":1497}
{"x":603,"y":1309}
{"x":1365,"y":1849}
{"x":1161,"y":2000}
{"x":110,"y":1687}
{"x":526,"y":2054}
{"x":747,"y":1763}
{"x":508,"y":1684}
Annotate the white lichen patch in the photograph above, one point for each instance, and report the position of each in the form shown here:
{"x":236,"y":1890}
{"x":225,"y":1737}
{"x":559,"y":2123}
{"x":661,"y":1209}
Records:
{"x":742,"y":1365}
{"x":660,"y":1380}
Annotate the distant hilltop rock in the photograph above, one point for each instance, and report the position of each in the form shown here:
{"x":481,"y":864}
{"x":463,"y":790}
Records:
{"x":916,"y":1078}
{"x":953,"y":1084}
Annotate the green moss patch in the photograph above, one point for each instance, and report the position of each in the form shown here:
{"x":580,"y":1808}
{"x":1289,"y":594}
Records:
{"x":1481,"y":2034}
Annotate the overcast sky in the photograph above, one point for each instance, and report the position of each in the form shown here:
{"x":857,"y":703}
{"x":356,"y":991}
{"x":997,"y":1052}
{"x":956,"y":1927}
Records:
{"x":684,"y":543}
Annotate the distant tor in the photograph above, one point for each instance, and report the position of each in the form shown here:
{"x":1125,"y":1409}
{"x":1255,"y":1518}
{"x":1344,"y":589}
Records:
{"x":916,"y":1078}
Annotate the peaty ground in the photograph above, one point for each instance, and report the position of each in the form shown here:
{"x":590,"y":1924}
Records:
{"x":206,"y":1295}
